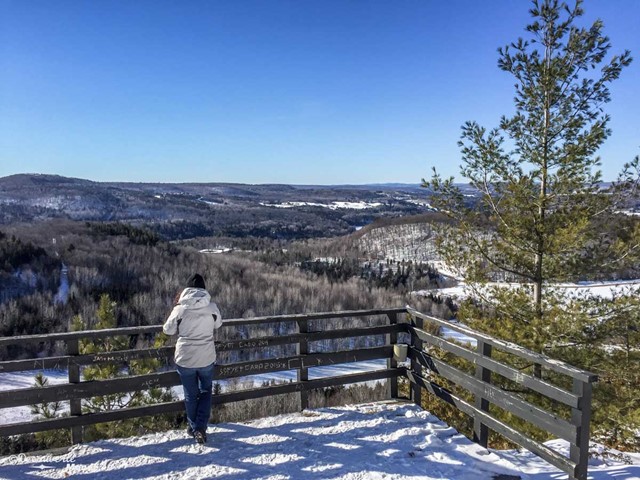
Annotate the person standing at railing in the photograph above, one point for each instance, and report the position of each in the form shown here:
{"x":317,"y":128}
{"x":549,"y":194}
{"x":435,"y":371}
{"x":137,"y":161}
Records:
{"x":194,"y":319}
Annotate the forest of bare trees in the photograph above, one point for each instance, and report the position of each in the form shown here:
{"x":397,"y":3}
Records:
{"x":142,"y":276}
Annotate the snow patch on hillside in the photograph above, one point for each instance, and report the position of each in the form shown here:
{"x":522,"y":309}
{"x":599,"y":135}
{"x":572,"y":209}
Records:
{"x":332,"y":206}
{"x":422,"y":203}
{"x":216,"y":250}
{"x":630,"y":213}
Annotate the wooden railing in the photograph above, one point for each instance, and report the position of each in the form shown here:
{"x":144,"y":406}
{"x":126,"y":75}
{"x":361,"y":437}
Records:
{"x":422,"y":373}
{"x":575,"y":429}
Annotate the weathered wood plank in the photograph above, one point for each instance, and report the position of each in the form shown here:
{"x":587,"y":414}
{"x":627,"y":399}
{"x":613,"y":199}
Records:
{"x":315,"y":336}
{"x":293,"y":387}
{"x":505,"y":400}
{"x":347,"y":356}
{"x":110,"y":332}
{"x":480,"y":430}
{"x":353,"y":378}
{"x":551,"y":456}
{"x":581,"y":418}
{"x":171,"y":407}
{"x":242,"y":369}
{"x":391,"y":338}
{"x":166,"y":352}
{"x":90,"y":418}
{"x":75,"y":404}
{"x":313,"y":316}
{"x":302,"y":349}
{"x":65,"y":336}
{"x":417,"y":344}
{"x":21,"y":397}
{"x":550,"y":363}
{"x":121,"y":356}
{"x":510,"y":373}
{"x":35,"y":364}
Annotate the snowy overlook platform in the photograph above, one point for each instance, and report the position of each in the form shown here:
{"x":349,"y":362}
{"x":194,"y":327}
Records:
{"x":383,"y":440}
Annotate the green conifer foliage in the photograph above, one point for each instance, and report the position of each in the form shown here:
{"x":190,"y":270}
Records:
{"x":543,"y":215}
{"x":45,"y":411}
{"x":107,"y":318}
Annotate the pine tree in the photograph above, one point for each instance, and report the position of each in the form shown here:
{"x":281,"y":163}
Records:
{"x":543,"y":215}
{"x":47,"y":411}
{"x":537,"y":173}
{"x":107,"y":318}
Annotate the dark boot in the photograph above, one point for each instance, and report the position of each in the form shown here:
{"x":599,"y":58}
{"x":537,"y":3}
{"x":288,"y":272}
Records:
{"x":200,"y":436}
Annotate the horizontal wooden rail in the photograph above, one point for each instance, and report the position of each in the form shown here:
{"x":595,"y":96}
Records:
{"x":307,"y":385}
{"x":67,"y":336}
{"x":19,"y":397}
{"x":68,"y":391}
{"x":178,"y":406}
{"x":120,"y":356}
{"x":123,"y":356}
{"x":575,"y":429}
{"x":510,"y":373}
{"x":505,"y":400}
{"x":302,"y":361}
{"x":548,"y":362}
{"x":314,"y":316}
{"x":314,"y":336}
{"x":551,"y":456}
{"x":232,"y":322}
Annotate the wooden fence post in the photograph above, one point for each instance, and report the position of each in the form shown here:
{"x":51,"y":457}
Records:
{"x":75,"y":404}
{"x":581,"y":417}
{"x":392,"y":339}
{"x":480,"y":430}
{"x":416,"y":391}
{"x":303,"y":372}
{"x":537,"y":370}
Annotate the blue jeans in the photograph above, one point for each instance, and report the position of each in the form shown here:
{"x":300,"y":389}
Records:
{"x":197,"y":384}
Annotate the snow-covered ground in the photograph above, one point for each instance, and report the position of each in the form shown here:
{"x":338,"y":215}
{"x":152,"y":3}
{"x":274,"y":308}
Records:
{"x":376,"y":441}
{"x":599,"y":289}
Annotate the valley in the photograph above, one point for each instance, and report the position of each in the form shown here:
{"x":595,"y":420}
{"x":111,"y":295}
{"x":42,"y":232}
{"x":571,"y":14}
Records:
{"x":187,"y":210}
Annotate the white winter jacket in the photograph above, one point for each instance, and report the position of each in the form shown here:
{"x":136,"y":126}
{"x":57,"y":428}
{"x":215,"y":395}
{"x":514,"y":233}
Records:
{"x":194,"y":319}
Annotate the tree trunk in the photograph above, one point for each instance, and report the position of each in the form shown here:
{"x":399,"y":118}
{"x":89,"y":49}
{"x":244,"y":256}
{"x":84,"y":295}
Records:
{"x":542,"y":200}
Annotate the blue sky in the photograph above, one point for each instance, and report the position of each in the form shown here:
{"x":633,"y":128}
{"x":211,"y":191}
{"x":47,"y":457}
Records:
{"x":269,"y":91}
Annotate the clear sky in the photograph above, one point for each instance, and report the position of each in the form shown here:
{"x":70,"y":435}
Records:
{"x":269,"y":91}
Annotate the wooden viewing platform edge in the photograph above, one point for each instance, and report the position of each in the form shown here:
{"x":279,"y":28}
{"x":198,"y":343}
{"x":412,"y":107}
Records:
{"x":421,"y":371}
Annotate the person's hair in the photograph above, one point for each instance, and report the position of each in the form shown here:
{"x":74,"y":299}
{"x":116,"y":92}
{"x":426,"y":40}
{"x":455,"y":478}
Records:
{"x":176,"y":299}
{"x":196,"y":281}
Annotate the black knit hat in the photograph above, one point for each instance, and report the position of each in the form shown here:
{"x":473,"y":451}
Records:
{"x":196,"y":281}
